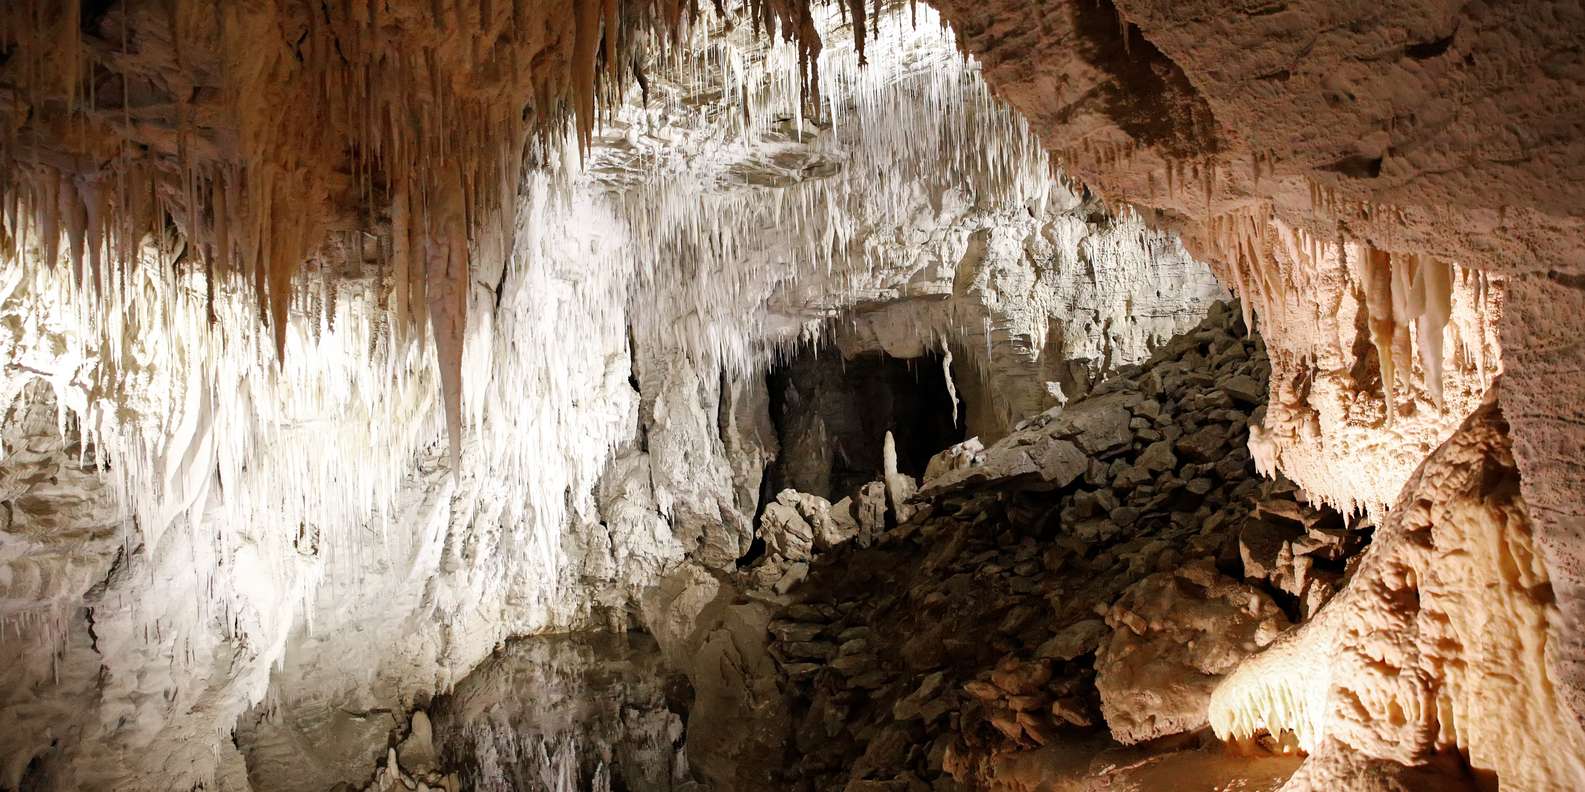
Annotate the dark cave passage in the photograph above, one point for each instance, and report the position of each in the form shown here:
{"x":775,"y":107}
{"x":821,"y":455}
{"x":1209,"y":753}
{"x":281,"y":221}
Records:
{"x":832,"y":414}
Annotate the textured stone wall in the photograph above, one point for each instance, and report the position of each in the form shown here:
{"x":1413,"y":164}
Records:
{"x":300,"y":556}
{"x":1435,"y":129}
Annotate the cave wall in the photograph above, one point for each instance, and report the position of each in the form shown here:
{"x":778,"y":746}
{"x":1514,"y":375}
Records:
{"x":1438,"y":129}
{"x":612,"y":428}
{"x":300,"y":556}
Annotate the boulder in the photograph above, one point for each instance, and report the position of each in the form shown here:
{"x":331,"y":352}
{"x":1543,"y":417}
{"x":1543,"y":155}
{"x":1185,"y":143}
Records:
{"x":1157,"y":457}
{"x":871,"y":512}
{"x":787,"y":535}
{"x":1175,"y":634}
{"x":1205,"y":445}
{"x":1265,"y":548}
{"x":958,"y":457}
{"x":1075,"y":640}
{"x":1099,"y":424}
{"x":832,"y":525}
{"x":912,"y":705}
{"x":1061,"y":462}
{"x":1244,"y":390}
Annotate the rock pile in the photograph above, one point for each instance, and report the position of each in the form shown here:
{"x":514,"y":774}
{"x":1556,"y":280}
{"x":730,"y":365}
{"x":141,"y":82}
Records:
{"x":1086,"y":579}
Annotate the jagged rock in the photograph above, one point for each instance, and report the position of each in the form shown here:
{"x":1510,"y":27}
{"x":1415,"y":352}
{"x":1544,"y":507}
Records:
{"x":1079,"y":638}
{"x":1264,"y":547}
{"x":963,"y":455}
{"x":1021,"y":678}
{"x":1131,"y":477}
{"x":912,"y":705}
{"x":811,"y":650}
{"x":1061,"y":462}
{"x":854,"y":664}
{"x":1328,"y":544}
{"x":1245,"y":390}
{"x":871,"y":512}
{"x":795,"y":631}
{"x":1099,"y":424}
{"x":785,"y":532}
{"x":1101,"y":530}
{"x":1030,"y":457}
{"x":794,"y":575}
{"x":1070,"y":711}
{"x":1319,"y":588}
{"x":417,"y":753}
{"x":983,"y":690}
{"x":831,"y":524}
{"x":1181,"y":632}
{"x":811,"y":614}
{"x":1157,"y":457}
{"x":1205,"y":445}
{"x":844,"y":525}
{"x":851,"y":646}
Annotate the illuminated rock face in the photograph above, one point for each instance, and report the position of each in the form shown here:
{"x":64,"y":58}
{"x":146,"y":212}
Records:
{"x":1174,"y":635}
{"x":283,"y":549}
{"x":1239,"y":129}
{"x":489,"y":406}
{"x":1438,"y":643}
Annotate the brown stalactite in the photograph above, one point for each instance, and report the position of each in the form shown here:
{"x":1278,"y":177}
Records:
{"x":301,"y":115}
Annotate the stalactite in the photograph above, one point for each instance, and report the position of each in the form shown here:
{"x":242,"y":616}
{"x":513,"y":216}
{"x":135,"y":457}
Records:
{"x":386,"y":87}
{"x":1436,"y":278}
{"x":1379,"y":305}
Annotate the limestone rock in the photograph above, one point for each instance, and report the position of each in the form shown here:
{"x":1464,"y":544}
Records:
{"x":1244,"y":389}
{"x":1158,"y":457}
{"x":785,"y":532}
{"x":963,"y":455}
{"x":1413,"y":650}
{"x":1175,"y":634}
{"x":1061,"y":462}
{"x":1266,"y":549}
{"x":1099,"y":424}
{"x":1205,"y":445}
{"x":417,"y":751}
{"x":828,"y":525}
{"x":871,"y":512}
{"x":1076,"y":639}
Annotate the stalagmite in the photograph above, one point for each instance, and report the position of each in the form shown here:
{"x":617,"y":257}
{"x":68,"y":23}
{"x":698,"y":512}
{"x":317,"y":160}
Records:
{"x":900,"y":487}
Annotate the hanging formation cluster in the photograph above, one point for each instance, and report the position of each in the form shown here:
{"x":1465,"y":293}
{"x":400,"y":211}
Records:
{"x":252,"y":138}
{"x":1399,"y":290}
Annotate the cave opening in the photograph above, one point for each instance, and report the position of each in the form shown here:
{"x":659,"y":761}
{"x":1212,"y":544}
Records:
{"x":832,"y":414}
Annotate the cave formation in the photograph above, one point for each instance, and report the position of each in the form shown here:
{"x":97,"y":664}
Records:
{"x":640,"y":395}
{"x":832,"y":414}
